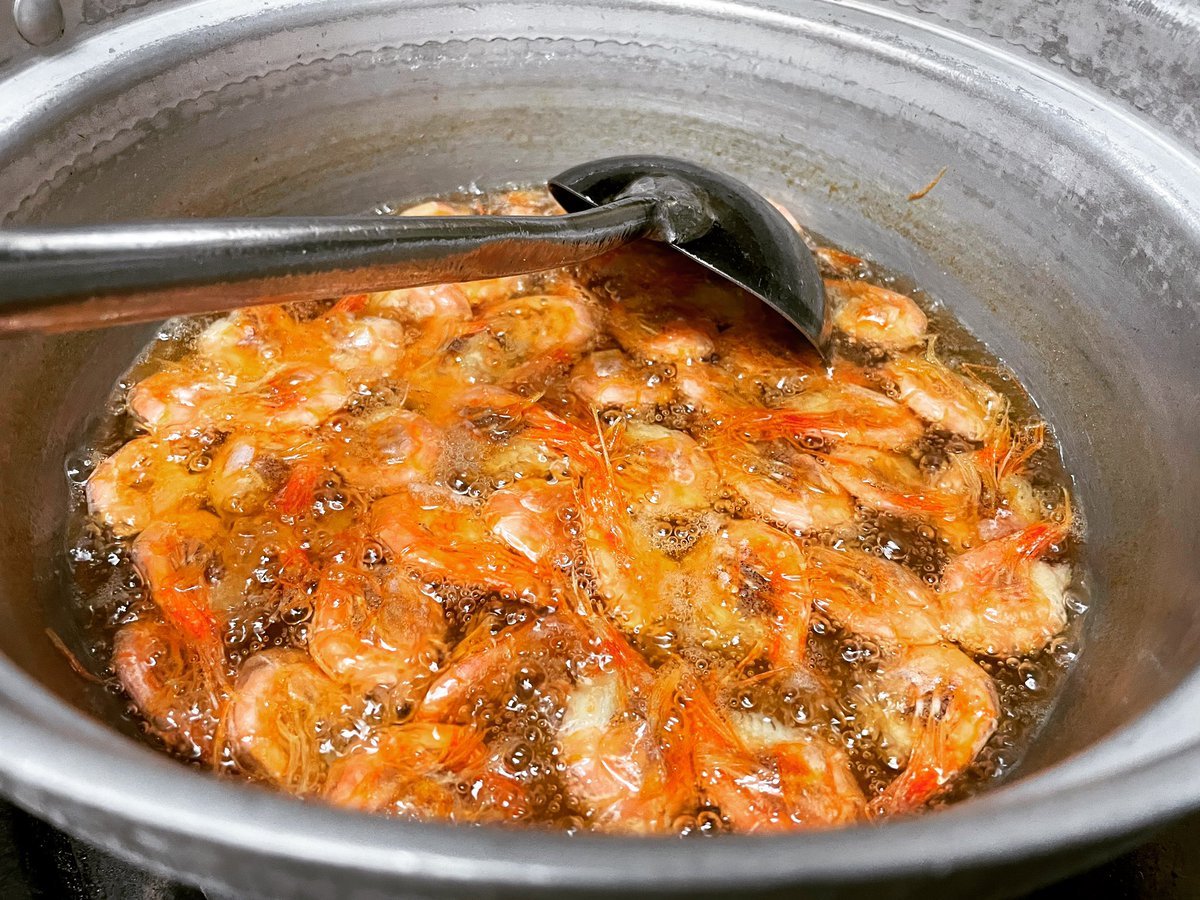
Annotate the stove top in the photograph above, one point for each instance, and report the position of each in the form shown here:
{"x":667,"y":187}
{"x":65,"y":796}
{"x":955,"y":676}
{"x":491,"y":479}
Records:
{"x":39,"y":862}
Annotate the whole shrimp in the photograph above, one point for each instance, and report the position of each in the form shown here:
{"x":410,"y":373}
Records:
{"x":934,"y":709}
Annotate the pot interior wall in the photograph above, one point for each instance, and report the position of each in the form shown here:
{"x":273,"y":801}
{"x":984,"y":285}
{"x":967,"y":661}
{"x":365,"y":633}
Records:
{"x":1068,"y":261}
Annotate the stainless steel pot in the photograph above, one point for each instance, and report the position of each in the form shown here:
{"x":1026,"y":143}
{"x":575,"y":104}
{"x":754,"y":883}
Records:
{"x":1066,"y":233}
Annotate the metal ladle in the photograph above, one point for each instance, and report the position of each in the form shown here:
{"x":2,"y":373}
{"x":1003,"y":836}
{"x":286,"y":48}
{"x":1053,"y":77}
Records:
{"x":73,"y":278}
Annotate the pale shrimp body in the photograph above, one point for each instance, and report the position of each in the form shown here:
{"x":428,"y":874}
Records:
{"x":387,"y":450}
{"x":529,"y":517}
{"x":176,"y":692}
{"x":250,"y":466}
{"x":944,"y":398}
{"x":144,"y":480}
{"x":662,"y":472}
{"x":281,"y":710}
{"x":608,"y":379}
{"x":784,"y":487}
{"x":427,"y":533}
{"x":428,"y":771}
{"x":872,"y":597}
{"x":369,"y":632}
{"x":755,"y":571}
{"x":615,"y":768}
{"x":935,"y":709}
{"x":661,"y":335}
{"x":868,"y":314}
{"x":1001,"y":599}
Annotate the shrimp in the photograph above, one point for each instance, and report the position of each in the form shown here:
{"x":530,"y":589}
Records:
{"x":662,"y":472}
{"x":294,"y":396}
{"x":173,"y":689}
{"x":428,"y":770}
{"x":873,"y":597}
{"x":250,"y":467}
{"x":867,"y":314}
{"x":246,"y":345}
{"x":662,"y":336}
{"x":387,"y":450}
{"x":935,"y":709}
{"x":892,"y":483}
{"x":529,"y":516}
{"x":944,"y":398}
{"x":1001,"y":599}
{"x":528,"y":657}
{"x":427,"y":534}
{"x":608,"y":379}
{"x":282,"y":710}
{"x":833,"y":411}
{"x":176,"y":401}
{"x":367,"y":347}
{"x":781,"y":485}
{"x":173,"y":558}
{"x":764,"y":777}
{"x":141,"y":482}
{"x":755,"y":571}
{"x":433,"y":316}
{"x":614,"y":767}
{"x":371,"y":632}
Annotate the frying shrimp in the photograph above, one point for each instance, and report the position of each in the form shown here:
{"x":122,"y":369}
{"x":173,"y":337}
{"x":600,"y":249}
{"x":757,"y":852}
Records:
{"x":873,"y":597}
{"x":1001,"y":599}
{"x":429,"y":771}
{"x":145,"y":479}
{"x":764,"y":777}
{"x":608,"y":379}
{"x":781,"y":485}
{"x":868,"y":314}
{"x":662,"y":472}
{"x":387,"y":450}
{"x":282,"y":709}
{"x":615,"y":768}
{"x":609,"y":548}
{"x":755,"y":571}
{"x":371,"y":632}
{"x":175,"y":691}
{"x":426,"y":534}
{"x":935,"y":709}
{"x":660,"y":337}
{"x":944,"y":398}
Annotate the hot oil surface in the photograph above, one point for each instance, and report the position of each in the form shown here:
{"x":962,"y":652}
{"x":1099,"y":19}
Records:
{"x":472,"y":552}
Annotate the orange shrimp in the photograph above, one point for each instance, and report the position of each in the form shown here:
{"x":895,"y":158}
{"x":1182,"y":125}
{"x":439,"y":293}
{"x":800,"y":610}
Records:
{"x":944,"y":398}
{"x":371,"y":632}
{"x":867,"y":314}
{"x":608,"y":379}
{"x":173,"y":559}
{"x":387,"y":450}
{"x":935,"y":709}
{"x":614,"y":766}
{"x":173,"y":689}
{"x":417,"y":770}
{"x":144,"y":480}
{"x":780,"y":484}
{"x":754,"y":571}
{"x":426,"y":533}
{"x":282,"y":709}
{"x":1001,"y":599}
{"x":873,"y":597}
{"x":764,"y":777}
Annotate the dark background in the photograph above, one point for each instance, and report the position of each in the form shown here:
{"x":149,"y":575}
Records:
{"x":38,"y":862}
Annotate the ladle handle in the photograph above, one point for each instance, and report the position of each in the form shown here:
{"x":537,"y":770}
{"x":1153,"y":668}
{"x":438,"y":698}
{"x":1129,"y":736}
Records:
{"x":64,"y":279}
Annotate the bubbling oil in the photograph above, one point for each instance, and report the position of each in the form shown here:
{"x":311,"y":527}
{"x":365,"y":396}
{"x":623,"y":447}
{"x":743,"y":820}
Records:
{"x":266,"y":586}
